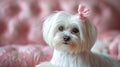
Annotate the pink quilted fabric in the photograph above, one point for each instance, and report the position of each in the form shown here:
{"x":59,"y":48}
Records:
{"x":21,"y":42}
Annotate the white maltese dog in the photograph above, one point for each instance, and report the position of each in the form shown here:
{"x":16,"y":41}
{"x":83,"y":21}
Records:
{"x":72,"y":39}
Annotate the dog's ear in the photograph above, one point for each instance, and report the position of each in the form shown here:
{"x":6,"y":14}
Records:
{"x":47,"y":25}
{"x":88,"y":33}
{"x":91,"y":33}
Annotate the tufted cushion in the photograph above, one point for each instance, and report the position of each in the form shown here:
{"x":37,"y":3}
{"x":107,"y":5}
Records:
{"x":24,"y":56}
{"x":21,"y":42}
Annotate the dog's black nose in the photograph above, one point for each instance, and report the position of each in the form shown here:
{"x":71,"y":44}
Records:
{"x":67,"y":38}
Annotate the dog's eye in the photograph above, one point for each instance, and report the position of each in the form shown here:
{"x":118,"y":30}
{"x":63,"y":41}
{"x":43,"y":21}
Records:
{"x":75,"y":30}
{"x":61,"y":28}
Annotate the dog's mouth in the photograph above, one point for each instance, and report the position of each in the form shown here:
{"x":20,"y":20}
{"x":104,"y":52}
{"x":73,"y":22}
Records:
{"x":66,"y":43}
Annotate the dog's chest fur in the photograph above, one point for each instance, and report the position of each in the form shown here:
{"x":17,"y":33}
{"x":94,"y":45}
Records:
{"x":85,"y":59}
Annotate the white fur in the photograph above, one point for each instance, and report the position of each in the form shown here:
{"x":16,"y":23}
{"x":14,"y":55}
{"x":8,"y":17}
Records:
{"x":77,"y":51}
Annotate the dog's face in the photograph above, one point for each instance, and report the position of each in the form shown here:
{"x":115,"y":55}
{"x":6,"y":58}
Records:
{"x":65,"y":32}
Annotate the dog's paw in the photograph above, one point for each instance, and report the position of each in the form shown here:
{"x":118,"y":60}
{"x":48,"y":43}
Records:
{"x":45,"y":64}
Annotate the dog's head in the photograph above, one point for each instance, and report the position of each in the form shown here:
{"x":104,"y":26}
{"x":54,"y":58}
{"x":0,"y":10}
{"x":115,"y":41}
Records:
{"x":66,"y":32}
